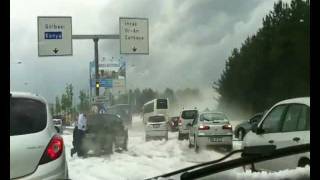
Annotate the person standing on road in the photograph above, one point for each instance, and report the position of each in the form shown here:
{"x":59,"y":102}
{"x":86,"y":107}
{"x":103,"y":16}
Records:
{"x":75,"y":137}
{"x":82,"y":127}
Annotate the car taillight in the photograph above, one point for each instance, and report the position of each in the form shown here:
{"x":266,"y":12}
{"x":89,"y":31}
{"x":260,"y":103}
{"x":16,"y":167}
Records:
{"x":227,"y":126}
{"x":202,"y":127}
{"x":53,"y":150}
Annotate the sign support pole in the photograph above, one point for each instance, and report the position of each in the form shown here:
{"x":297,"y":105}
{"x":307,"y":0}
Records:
{"x":96,"y":62}
{"x":95,"y":39}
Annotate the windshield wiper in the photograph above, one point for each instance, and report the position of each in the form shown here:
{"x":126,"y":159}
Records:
{"x":248,"y":157}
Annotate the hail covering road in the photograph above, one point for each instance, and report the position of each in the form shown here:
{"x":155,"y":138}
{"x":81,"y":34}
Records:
{"x":147,"y":159}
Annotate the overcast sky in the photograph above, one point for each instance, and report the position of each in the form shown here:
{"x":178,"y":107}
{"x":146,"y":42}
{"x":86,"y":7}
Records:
{"x":190,"y":41}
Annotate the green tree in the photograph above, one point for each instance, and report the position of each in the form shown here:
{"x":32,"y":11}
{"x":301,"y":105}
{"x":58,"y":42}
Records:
{"x":84,"y":101}
{"x":273,"y":64}
{"x":58,"y":106}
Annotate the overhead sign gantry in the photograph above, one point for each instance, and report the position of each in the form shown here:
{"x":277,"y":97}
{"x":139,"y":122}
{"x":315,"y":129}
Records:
{"x":55,"y":38}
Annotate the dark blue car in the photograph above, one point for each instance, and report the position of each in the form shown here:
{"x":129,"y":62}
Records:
{"x":243,"y":128}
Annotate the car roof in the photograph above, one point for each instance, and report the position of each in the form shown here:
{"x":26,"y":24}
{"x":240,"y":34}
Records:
{"x":28,"y":95}
{"x":301,"y":100}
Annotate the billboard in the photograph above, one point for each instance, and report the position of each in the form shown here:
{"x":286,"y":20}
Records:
{"x":112,"y":74}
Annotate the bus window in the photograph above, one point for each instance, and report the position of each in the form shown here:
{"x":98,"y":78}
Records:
{"x":162,"y":104}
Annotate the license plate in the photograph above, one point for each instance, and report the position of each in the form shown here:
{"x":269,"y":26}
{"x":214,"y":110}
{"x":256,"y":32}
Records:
{"x":156,"y":125}
{"x":216,"y":139}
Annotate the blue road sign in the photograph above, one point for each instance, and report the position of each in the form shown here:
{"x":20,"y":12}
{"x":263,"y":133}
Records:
{"x":106,"y":83}
{"x":52,"y":35}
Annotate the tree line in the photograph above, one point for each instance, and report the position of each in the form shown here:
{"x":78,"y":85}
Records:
{"x":137,"y":98}
{"x":271,"y":65}
{"x":67,"y":110}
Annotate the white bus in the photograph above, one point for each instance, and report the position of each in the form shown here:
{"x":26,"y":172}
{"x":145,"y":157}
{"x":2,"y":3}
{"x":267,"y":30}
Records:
{"x":155,"y":107}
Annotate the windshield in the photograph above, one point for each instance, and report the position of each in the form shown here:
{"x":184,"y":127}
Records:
{"x":214,"y":117}
{"x":182,"y":79}
{"x":189,"y":114}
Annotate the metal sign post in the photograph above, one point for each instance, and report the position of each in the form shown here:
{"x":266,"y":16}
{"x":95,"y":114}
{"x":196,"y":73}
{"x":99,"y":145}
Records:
{"x":95,"y":39}
{"x":55,"y":38}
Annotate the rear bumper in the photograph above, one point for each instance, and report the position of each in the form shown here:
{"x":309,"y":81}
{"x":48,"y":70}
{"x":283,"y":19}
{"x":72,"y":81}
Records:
{"x":206,"y":140}
{"x":183,"y":130}
{"x":158,"y":133}
{"x":57,"y":169}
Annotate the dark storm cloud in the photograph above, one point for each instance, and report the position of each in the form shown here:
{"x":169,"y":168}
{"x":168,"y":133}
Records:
{"x":189,"y":41}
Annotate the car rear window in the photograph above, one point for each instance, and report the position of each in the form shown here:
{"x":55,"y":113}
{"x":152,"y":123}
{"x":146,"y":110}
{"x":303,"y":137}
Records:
{"x":27,"y":116}
{"x":156,"y":119}
{"x":190,"y":114}
{"x":215,"y":117}
{"x":162,"y":104}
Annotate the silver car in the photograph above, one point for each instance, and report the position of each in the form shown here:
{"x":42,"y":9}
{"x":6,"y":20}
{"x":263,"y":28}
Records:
{"x":210,"y":128}
{"x":156,"y":127}
{"x":37,"y":151}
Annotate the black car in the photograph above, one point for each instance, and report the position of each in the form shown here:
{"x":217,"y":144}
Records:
{"x":243,"y":128}
{"x":105,"y":131}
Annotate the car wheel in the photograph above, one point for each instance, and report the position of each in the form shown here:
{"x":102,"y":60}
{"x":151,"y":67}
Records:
{"x":190,"y":145}
{"x":229,"y":147}
{"x":196,"y":146}
{"x":241,"y":134}
{"x":303,"y":162}
{"x":179,"y":136}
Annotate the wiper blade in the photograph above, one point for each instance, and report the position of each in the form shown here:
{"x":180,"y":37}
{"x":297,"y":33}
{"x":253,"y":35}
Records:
{"x":196,"y":166}
{"x":213,"y":167}
{"x":216,"y":168}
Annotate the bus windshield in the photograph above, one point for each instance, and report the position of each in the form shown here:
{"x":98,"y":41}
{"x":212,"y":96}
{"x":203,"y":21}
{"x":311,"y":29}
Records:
{"x":162,"y":104}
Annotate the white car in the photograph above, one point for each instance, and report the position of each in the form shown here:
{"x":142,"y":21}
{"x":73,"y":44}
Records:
{"x":186,"y":117}
{"x":58,"y":125}
{"x":210,"y":129}
{"x":286,"y":124}
{"x":156,"y":127}
{"x":37,"y":151}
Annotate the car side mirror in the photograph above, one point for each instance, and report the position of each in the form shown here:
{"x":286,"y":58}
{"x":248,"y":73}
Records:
{"x":256,"y":129}
{"x":259,"y":130}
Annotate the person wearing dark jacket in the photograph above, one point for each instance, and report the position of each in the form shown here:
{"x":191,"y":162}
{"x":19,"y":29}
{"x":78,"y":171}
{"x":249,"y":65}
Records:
{"x":75,"y":139}
{"x":82,"y":127}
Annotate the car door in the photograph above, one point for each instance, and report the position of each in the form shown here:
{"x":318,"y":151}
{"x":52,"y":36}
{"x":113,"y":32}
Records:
{"x":271,"y":125}
{"x":296,"y":130}
{"x":193,"y":129}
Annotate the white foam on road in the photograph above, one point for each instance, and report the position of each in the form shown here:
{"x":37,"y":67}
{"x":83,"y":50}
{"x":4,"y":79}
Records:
{"x":143,"y":159}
